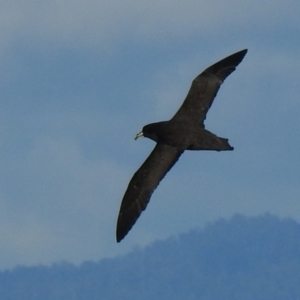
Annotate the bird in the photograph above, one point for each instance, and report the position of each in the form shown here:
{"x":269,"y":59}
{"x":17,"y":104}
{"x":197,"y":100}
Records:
{"x":184,"y":131}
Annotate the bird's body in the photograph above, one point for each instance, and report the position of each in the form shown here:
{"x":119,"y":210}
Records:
{"x":182,"y":135}
{"x":185,"y":131}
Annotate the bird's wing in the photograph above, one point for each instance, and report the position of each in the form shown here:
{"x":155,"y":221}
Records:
{"x":142,"y":185}
{"x":205,"y":87}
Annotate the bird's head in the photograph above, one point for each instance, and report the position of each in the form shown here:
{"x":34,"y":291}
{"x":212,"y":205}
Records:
{"x":151,"y":131}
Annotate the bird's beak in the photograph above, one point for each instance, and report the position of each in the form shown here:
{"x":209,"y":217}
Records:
{"x":139,"y":135}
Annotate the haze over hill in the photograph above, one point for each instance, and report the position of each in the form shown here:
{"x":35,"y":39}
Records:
{"x":240,"y":258}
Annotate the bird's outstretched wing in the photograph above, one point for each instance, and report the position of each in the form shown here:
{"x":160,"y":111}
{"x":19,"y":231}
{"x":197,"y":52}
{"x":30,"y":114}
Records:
{"x":142,"y":185}
{"x":205,"y":88}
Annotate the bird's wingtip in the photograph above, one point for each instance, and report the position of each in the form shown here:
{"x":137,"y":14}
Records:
{"x":119,"y":238}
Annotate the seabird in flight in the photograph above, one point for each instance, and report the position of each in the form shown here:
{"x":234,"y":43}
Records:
{"x":185,"y":131}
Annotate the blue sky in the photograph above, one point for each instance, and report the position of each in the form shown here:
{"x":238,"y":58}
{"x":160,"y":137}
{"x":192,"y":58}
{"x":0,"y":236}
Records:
{"x":80,"y":78}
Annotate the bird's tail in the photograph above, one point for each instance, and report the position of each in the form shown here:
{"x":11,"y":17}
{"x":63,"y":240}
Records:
{"x":210,"y":141}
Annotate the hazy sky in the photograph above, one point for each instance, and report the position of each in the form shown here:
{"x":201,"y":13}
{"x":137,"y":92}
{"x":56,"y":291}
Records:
{"x":80,"y":78}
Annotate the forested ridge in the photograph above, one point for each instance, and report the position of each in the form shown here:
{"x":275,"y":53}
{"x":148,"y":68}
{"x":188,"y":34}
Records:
{"x":240,"y":258}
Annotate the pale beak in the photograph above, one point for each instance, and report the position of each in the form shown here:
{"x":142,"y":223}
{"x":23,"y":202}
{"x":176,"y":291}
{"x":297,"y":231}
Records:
{"x":139,"y":135}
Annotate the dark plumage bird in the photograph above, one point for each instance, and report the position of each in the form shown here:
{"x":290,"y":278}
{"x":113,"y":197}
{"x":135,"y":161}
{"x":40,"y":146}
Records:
{"x":185,"y":131}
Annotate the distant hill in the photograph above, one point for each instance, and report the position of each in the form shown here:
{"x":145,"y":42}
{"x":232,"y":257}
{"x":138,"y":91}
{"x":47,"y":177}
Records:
{"x":241,"y":258}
